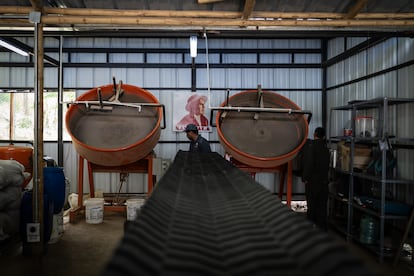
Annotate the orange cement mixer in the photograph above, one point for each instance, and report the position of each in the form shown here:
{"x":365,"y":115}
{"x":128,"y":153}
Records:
{"x":23,"y":155}
{"x":115,"y":125}
{"x":261,"y":128}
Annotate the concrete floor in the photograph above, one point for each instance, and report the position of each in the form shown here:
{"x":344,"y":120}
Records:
{"x":84,"y":249}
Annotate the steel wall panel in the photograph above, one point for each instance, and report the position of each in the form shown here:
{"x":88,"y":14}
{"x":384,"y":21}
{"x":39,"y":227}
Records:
{"x":355,"y":67}
{"x":275,"y":58}
{"x":102,"y":76}
{"x":126,"y":58}
{"x":382,"y":86}
{"x":335,"y":47}
{"x":5,"y":77}
{"x":354,"y":41}
{"x":406,"y":82}
{"x":308,"y":58}
{"x":235,"y":79}
{"x":21,"y":77}
{"x":50,"y":77}
{"x":69,"y":77}
{"x":405,"y":49}
{"x":151,"y":77}
{"x":84,"y":77}
{"x":335,"y":74}
{"x":382,"y":56}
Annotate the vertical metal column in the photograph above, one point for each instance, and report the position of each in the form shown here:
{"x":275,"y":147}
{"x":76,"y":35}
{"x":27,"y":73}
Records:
{"x":38,"y":205}
{"x":60,"y":101}
{"x":193,"y":75}
{"x":384,"y":148}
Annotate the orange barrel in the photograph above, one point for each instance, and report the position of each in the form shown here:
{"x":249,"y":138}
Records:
{"x":261,"y":139}
{"x":23,"y":155}
{"x":117,"y":135}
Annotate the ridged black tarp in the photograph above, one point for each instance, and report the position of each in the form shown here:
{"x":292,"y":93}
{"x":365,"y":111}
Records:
{"x":206,"y":217}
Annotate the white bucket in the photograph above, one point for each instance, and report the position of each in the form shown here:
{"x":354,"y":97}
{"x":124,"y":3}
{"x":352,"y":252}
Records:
{"x":73,"y":201}
{"x":133,"y":205}
{"x":94,"y":209}
{"x":57,"y":228}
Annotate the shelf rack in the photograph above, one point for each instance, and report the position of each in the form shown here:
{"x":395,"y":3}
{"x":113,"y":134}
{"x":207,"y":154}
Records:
{"x":383,"y":140}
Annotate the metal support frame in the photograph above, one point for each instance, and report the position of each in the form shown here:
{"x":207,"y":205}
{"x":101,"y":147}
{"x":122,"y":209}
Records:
{"x":144,"y":165}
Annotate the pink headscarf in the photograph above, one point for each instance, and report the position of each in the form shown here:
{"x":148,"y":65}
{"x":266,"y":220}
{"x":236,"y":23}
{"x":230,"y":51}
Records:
{"x":193,"y":101}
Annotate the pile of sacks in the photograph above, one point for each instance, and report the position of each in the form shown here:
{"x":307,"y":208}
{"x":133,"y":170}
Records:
{"x":12,"y":176}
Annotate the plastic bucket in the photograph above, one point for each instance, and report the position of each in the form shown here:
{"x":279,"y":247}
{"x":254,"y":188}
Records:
{"x":133,"y":205}
{"x":73,"y":201}
{"x":55,"y":186}
{"x":57,"y":228}
{"x":94,"y":209}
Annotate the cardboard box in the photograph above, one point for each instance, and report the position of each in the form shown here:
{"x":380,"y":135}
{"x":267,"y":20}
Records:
{"x":362,"y":156}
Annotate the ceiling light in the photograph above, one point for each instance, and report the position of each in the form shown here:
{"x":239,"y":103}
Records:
{"x":13,"y":48}
{"x":193,"y":46}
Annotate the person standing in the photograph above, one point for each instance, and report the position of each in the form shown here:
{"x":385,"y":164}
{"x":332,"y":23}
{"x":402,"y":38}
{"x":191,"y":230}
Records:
{"x":315,"y":176}
{"x":198,"y":143}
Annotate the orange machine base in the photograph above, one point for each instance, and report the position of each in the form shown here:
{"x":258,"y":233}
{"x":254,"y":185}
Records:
{"x":143,"y":165}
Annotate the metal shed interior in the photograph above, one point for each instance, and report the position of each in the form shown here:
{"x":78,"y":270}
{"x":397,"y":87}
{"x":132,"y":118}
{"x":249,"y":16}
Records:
{"x":318,"y":53}
{"x":313,"y":52}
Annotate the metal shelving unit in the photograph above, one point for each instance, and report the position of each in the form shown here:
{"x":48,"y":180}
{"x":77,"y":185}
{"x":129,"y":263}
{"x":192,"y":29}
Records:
{"x":382,"y":140}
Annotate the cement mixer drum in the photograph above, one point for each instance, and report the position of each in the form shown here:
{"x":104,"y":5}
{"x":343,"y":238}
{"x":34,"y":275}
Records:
{"x":261,"y":139}
{"x":118,"y":134}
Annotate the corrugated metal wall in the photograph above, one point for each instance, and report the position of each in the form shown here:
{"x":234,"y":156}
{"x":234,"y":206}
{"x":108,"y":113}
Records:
{"x":159,"y":81}
{"x":294,"y":80}
{"x":396,"y":83}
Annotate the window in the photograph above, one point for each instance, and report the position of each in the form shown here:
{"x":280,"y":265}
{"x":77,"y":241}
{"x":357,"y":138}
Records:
{"x":17,"y":115}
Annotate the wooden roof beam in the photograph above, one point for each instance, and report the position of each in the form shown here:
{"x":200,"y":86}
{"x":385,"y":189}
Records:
{"x":201,"y":14}
{"x":208,"y":1}
{"x":37,"y":5}
{"x":354,"y":10}
{"x":248,"y":8}
{"x":206,"y":22}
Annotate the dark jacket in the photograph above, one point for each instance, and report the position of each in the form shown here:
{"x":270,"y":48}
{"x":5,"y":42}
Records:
{"x":316,"y":162}
{"x":200,"y":145}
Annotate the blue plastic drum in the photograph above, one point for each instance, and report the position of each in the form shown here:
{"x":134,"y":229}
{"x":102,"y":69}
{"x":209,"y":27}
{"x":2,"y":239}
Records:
{"x":26,"y":216}
{"x":54,"y":187}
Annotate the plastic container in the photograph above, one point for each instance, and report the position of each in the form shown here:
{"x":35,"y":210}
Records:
{"x":26,"y":217}
{"x":94,"y":209}
{"x":365,"y":126}
{"x":369,"y":230}
{"x":57,"y":228}
{"x":133,"y":206}
{"x":55,"y":186}
{"x":347,"y":132}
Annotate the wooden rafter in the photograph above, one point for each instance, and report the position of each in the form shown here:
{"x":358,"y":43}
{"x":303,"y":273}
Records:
{"x":208,"y":1}
{"x":168,"y":18}
{"x":354,"y":10}
{"x":248,"y":8}
{"x":203,"y":14}
{"x":206,"y":22}
{"x":37,"y":4}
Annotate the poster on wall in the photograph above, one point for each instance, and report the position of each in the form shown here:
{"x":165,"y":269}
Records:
{"x":191,"y":108}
